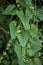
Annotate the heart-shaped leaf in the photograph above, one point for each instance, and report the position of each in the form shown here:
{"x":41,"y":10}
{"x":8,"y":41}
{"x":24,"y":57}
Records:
{"x":23,"y":38}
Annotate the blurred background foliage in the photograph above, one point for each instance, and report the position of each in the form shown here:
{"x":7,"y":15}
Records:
{"x":7,"y":53}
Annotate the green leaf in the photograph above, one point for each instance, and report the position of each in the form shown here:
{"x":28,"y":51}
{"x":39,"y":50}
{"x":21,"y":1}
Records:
{"x":34,"y":30}
{"x":35,"y":46}
{"x":25,"y":18}
{"x":39,"y":15}
{"x":36,"y":19}
{"x":37,"y":61}
{"x":22,"y":2}
{"x":32,"y":51}
{"x":24,"y":63}
{"x":23,"y":38}
{"x":37,"y":43}
{"x":27,"y":1}
{"x":20,"y":62}
{"x":18,"y":51}
{"x":13,"y":29}
{"x":9,"y":9}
